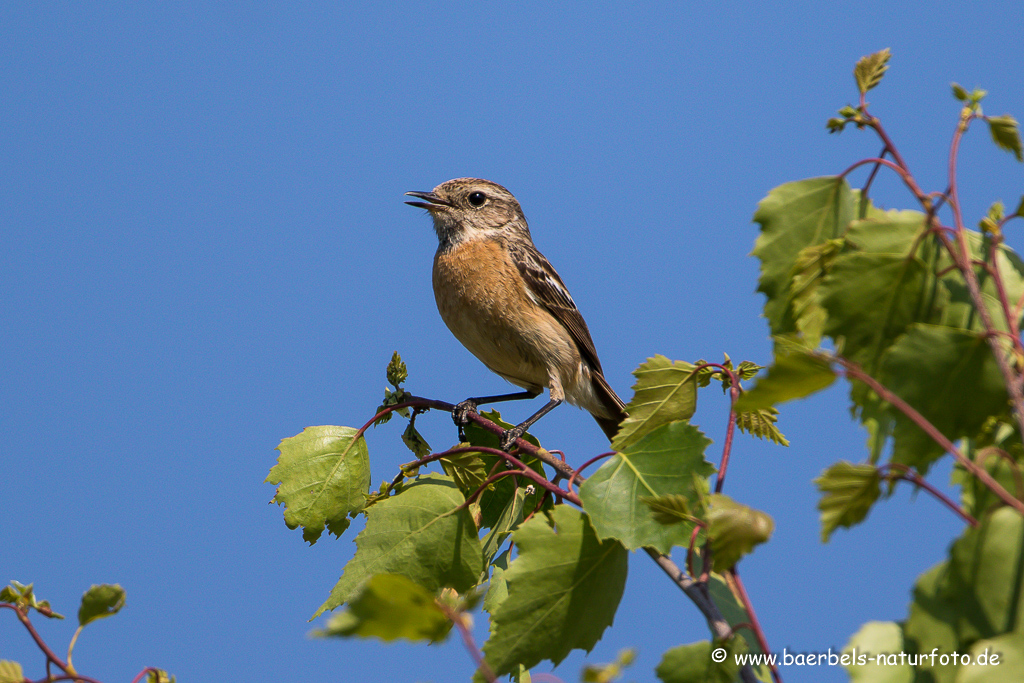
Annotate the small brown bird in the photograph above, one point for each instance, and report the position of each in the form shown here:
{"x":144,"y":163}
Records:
{"x":502,"y":299}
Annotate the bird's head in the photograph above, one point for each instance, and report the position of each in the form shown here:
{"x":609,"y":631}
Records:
{"x":471,"y":208}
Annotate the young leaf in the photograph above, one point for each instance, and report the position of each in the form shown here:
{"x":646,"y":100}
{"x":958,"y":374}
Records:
{"x":665,"y":391}
{"x":1020,"y":208}
{"x":670,"y":508}
{"x":959,"y":92}
{"x":870,"y":69}
{"x":812,"y":264}
{"x":662,"y":463}
{"x":396,"y":370}
{"x":849,"y":492}
{"x":761,"y":423}
{"x":795,"y":374}
{"x":563,"y":590}
{"x":25,"y":598}
{"x":389,"y":607}
{"x":10,"y":672}
{"x":323,"y":476}
{"x":1006,"y":134}
{"x":100,"y":601}
{"x":419,"y":533}
{"x":734,"y":530}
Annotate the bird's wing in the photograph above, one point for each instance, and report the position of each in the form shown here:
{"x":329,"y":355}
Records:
{"x":546,"y":288}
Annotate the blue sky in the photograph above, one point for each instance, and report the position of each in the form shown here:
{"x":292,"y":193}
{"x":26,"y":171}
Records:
{"x":205,"y":249}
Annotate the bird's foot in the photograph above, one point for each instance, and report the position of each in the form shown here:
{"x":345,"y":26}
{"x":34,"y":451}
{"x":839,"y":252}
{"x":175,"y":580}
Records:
{"x":460,"y":416}
{"x":509,"y":436}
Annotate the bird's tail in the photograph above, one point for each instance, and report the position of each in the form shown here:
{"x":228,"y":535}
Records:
{"x":613,"y":405}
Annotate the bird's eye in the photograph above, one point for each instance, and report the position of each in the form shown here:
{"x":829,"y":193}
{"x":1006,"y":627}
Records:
{"x":477,"y":198}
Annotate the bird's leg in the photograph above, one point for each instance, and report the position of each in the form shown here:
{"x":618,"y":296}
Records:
{"x":460,"y":414}
{"x":508,"y":439}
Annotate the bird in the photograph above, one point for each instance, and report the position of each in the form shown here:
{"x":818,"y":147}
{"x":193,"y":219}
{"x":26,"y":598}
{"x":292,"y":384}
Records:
{"x":505,"y":302}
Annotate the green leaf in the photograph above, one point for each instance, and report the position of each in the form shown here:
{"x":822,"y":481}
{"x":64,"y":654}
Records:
{"x":795,"y":374}
{"x":871,"y":299}
{"x":694,"y":663}
{"x":761,"y":423}
{"x":849,"y":492}
{"x":950,"y":377}
{"x":100,"y":601}
{"x":495,"y":499}
{"x":665,"y":391}
{"x":323,"y":474}
{"x":389,"y":607}
{"x":497,"y":591}
{"x":1019,"y":212}
{"x":419,"y":533}
{"x":734,"y":530}
{"x":10,"y":672}
{"x":511,"y":517}
{"x":793,"y":217}
{"x":974,"y":596}
{"x":1006,"y":134}
{"x":959,"y":92}
{"x":159,"y":676}
{"x":414,"y":441}
{"x":662,"y":463}
{"x":870,"y":69}
{"x":563,"y":590}
{"x":467,"y":469}
{"x":874,"y":638}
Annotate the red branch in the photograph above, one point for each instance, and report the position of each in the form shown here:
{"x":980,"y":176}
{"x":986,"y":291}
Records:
{"x":907,"y":474}
{"x":754,"y":623}
{"x":855,"y":371}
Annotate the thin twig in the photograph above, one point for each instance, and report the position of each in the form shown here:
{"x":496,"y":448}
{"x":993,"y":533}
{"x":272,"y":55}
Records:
{"x":913,"y":477}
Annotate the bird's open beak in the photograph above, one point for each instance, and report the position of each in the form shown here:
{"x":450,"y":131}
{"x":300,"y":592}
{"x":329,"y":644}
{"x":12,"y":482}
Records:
{"x":433,"y":201}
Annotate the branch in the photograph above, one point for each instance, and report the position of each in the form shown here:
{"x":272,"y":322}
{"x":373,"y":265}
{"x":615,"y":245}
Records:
{"x":855,"y":371}
{"x":963,"y":260}
{"x":695,"y":591}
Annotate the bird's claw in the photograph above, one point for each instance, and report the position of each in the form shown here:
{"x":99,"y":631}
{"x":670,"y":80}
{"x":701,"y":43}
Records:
{"x":460,"y":415}
{"x":509,"y":436}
